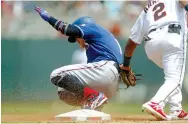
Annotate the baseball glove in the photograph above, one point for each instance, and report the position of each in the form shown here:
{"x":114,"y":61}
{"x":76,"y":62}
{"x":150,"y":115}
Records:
{"x":129,"y":78}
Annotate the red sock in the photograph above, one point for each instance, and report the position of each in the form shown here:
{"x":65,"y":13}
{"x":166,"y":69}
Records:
{"x":89,"y":91}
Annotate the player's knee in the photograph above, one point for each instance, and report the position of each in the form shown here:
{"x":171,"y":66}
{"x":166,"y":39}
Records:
{"x":64,"y":80}
{"x":67,"y":81}
{"x":54,"y":73}
{"x":56,"y":76}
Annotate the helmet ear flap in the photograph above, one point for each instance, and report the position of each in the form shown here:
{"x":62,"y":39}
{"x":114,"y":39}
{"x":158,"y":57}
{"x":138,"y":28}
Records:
{"x":72,"y":39}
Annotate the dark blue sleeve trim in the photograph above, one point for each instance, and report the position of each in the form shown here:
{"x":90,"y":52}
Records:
{"x":52,"y":21}
{"x":67,"y":29}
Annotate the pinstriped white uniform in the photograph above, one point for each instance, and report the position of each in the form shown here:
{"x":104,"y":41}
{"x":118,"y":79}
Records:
{"x":167,"y":50}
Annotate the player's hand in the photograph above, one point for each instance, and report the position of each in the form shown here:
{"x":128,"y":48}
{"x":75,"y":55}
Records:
{"x":127,"y":76}
{"x":125,"y":68}
{"x":43,"y":13}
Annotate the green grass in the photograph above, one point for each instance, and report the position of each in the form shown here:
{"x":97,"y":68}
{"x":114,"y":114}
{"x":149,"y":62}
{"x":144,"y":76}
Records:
{"x":60,"y":107}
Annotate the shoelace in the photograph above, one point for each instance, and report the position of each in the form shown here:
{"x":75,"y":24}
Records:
{"x":91,"y":102}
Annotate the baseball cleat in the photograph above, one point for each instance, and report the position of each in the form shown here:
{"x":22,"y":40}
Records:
{"x":95,"y":102}
{"x":178,"y":115}
{"x":155,"y":110}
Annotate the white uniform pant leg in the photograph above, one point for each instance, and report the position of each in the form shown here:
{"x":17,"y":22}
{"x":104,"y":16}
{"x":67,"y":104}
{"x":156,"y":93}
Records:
{"x":171,"y":58}
{"x":175,"y":100}
{"x":173,"y":65}
{"x":103,"y":77}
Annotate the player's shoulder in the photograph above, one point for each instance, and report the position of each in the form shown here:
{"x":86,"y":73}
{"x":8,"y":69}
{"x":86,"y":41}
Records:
{"x":93,"y":27}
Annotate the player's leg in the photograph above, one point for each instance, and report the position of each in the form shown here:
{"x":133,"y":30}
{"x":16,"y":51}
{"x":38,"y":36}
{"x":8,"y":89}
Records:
{"x":102,"y":76}
{"x":69,"y":97}
{"x":68,"y":78}
{"x":176,"y":110}
{"x":154,"y":49}
{"x":173,"y":65}
{"x":79,"y":78}
{"x":154,"y":52}
{"x":174,"y":68}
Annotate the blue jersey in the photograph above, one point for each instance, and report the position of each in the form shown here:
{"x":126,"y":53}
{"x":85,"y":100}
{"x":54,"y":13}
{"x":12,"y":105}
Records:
{"x":102,"y":45}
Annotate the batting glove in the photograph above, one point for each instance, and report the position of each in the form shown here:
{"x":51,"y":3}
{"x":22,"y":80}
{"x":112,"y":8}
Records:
{"x":43,"y":13}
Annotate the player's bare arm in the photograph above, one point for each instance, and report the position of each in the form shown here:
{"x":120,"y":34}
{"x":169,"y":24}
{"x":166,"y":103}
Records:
{"x":184,"y":4}
{"x":129,"y":50}
{"x":135,"y":38}
{"x":128,"y":77}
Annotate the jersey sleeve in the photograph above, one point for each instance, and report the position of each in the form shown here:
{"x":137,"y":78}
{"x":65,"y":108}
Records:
{"x":139,"y":29}
{"x":89,"y":31}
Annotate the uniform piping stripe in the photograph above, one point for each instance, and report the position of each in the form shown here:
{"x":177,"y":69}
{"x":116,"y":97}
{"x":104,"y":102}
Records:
{"x":184,"y":59}
{"x":182,"y":69}
{"x":84,"y":68}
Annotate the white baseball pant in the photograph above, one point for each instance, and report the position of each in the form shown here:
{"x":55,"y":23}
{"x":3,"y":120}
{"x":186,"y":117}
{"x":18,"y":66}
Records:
{"x":102,"y":76}
{"x":168,"y":51}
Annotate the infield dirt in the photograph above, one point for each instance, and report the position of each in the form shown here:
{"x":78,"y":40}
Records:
{"x":45,"y":112}
{"x":49,"y":118}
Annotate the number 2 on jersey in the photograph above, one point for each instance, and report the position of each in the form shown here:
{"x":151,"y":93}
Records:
{"x":159,"y":11}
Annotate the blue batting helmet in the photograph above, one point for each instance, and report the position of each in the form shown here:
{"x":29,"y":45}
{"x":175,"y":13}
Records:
{"x":84,"y":20}
{"x":80,"y":21}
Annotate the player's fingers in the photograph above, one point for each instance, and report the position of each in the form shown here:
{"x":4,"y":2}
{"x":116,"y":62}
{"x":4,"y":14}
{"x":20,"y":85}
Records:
{"x":38,"y":9}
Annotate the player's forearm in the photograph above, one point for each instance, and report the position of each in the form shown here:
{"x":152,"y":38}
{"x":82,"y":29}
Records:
{"x":184,"y":4}
{"x":64,"y":28}
{"x":129,"y":50}
{"x":58,"y":25}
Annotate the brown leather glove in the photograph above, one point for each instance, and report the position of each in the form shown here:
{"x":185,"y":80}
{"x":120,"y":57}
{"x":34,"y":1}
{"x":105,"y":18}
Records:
{"x":128,"y":77}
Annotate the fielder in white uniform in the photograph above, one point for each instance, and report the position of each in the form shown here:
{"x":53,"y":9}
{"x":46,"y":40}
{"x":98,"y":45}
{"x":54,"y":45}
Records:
{"x":163,"y":27}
